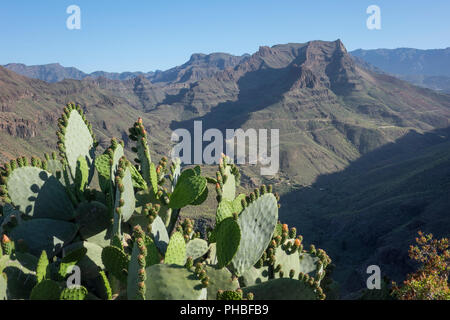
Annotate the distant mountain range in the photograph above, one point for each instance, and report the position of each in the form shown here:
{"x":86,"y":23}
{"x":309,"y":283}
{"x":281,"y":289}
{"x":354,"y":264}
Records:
{"x":199,"y":66}
{"x":427,"y":68}
{"x":364,"y":156}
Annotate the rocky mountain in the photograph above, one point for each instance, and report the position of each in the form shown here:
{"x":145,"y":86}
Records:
{"x":52,"y":72}
{"x":359,"y":150}
{"x":427,"y":68}
{"x":198,"y":67}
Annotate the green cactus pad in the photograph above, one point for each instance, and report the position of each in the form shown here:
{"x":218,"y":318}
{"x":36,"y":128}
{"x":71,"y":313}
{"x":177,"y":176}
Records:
{"x":116,"y":262}
{"x":46,"y":290}
{"x":91,"y":262}
{"x":212,"y":254}
{"x":39,"y":194}
{"x":70,"y":259}
{"x":78,"y":141}
{"x":308,"y":264}
{"x":225,"y":210}
{"x":153,"y":178}
{"x":160,"y":235}
{"x":3,"y":287}
{"x":196,"y":248}
{"x":229,"y":187}
{"x":103,"y":286}
{"x":237,"y":203}
{"x":201,"y":198}
{"x":41,"y":270}
{"x":257,"y":223}
{"x":20,"y":274}
{"x":117,"y":154}
{"x":138,"y":181}
{"x":93,"y":219}
{"x":75,"y":293}
{"x":228,"y":238}
{"x":219,"y":279}
{"x":283,"y":289}
{"x":82,"y":174}
{"x":127,"y":196}
{"x":44,"y":234}
{"x":288,"y":261}
{"x":56,"y":168}
{"x":133,"y":292}
{"x":152,"y":252}
{"x":255,"y":276}
{"x":103,"y":166}
{"x":186,"y":191}
{"x":229,"y":295}
{"x":160,"y":284}
{"x":176,"y":250}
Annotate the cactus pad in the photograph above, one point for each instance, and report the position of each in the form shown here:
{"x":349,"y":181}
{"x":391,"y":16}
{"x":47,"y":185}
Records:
{"x":257,"y":223}
{"x":160,"y":284}
{"x":78,"y":140}
{"x":228,"y":239}
{"x":283,"y":289}
{"x":196,"y":248}
{"x":176,"y":250}
{"x":186,"y":191}
{"x":116,"y":262}
{"x":219,"y":279}
{"x":44,"y":234}
{"x":46,"y":290}
{"x":38,"y":193}
{"x":75,"y":293}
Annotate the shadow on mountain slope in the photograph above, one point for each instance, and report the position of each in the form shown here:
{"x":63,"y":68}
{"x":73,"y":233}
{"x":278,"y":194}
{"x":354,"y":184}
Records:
{"x":370,"y":212}
{"x":257,"y":90}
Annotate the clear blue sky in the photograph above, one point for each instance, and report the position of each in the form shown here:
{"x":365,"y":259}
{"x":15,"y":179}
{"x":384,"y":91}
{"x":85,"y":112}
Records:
{"x":156,"y":34}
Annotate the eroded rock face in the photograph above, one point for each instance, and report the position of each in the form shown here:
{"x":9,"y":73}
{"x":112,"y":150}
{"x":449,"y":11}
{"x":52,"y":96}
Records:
{"x":19,"y":128}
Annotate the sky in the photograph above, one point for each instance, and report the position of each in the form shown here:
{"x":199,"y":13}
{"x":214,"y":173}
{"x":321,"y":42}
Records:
{"x":134,"y":35}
